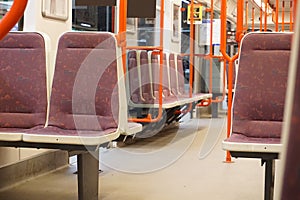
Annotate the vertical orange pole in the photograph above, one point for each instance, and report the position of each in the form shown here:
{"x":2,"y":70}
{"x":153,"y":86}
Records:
{"x":277,"y":16}
{"x":223,"y":51}
{"x":291,"y":16}
{"x":266,"y":15}
{"x":253,"y":18}
{"x":282,"y":17}
{"x":247,"y":13}
{"x":239,"y":20}
{"x":122,"y":31}
{"x":161,"y":44}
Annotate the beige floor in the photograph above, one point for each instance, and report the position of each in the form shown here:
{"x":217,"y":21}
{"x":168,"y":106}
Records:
{"x":185,"y":163}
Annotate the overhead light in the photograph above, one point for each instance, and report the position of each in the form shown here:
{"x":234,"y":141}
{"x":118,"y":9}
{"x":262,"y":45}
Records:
{"x":85,"y":25}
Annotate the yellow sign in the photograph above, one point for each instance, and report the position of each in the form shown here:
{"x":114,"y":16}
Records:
{"x":197,"y":14}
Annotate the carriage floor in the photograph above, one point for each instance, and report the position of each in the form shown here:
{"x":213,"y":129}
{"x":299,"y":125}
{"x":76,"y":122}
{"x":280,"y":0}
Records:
{"x":177,"y":163}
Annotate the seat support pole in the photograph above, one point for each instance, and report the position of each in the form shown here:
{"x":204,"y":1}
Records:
{"x":88,"y":175}
{"x":269,"y":178}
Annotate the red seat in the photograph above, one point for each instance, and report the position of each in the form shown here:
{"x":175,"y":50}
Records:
{"x":260,"y":90}
{"x":259,"y":100}
{"x":23,"y":93}
{"x":84,"y":104}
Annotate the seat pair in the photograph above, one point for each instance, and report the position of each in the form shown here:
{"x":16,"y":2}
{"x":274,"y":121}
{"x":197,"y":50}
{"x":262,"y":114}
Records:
{"x":85,"y":103}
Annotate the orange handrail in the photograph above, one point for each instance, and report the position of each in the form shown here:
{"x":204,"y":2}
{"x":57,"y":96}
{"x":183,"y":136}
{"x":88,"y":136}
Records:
{"x":277,"y":16}
{"x":122,"y":31}
{"x":291,"y":16}
{"x":230,"y":60}
{"x":239,"y":21}
{"x":282,"y":17}
{"x":266,"y":15}
{"x":12,"y":17}
{"x":192,"y":51}
{"x":247,"y":13}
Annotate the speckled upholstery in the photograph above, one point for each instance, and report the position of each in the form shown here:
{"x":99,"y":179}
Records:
{"x":134,"y":85}
{"x":180,"y":75}
{"x":177,"y":81}
{"x":156,"y":74}
{"x":139,"y":87}
{"x":291,"y":178}
{"x":145,"y":78}
{"x":144,"y":91}
{"x":172,"y":82}
{"x":261,"y":87}
{"x":23,"y":95}
{"x":85,"y":83}
{"x":173,"y":77}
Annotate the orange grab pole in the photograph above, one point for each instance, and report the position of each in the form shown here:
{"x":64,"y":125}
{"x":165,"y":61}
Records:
{"x":230,"y":71}
{"x":266,"y":15}
{"x":291,"y":16}
{"x":149,"y":119}
{"x":122,"y":31}
{"x":282,"y":17}
{"x":247,"y":13}
{"x":12,"y":17}
{"x":277,"y":16}
{"x":239,"y":21}
{"x":192,"y":40}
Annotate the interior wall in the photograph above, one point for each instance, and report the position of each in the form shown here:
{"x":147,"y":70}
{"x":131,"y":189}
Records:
{"x":171,"y":43}
{"x":34,"y":21}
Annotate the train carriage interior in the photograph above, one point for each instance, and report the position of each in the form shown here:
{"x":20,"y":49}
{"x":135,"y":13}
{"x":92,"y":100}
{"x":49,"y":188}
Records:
{"x":149,"y":99}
